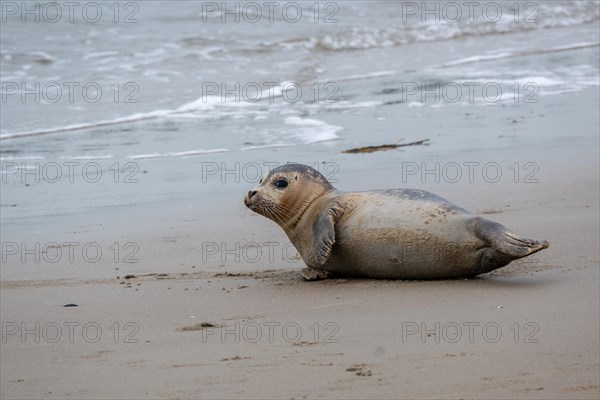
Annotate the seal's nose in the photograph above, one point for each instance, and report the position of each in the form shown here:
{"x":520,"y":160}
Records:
{"x":248,"y":198}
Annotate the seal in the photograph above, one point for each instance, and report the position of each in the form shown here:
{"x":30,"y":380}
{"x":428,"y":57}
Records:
{"x":386,"y":234}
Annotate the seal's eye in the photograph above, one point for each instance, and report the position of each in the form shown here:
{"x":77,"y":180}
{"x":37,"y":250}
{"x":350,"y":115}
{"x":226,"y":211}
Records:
{"x":282,"y":183}
{"x":259,"y":182}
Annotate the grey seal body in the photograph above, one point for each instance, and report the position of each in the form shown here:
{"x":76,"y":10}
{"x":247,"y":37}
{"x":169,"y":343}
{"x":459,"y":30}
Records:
{"x":389,"y":234}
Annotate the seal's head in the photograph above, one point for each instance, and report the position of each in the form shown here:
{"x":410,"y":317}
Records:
{"x":285,"y":192}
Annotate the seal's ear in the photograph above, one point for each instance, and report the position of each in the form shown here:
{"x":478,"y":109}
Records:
{"x":324,"y":233}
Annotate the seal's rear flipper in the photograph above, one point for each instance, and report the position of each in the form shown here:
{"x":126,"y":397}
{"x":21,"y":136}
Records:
{"x":513,"y":245}
{"x":506,"y":247}
{"x":505,"y":242}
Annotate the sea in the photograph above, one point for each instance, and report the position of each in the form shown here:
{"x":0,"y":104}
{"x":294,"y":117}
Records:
{"x":111,"y":106}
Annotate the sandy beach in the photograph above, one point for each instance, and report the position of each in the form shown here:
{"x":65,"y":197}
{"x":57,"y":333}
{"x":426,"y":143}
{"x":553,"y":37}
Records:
{"x":130,"y":267}
{"x":250,"y":327}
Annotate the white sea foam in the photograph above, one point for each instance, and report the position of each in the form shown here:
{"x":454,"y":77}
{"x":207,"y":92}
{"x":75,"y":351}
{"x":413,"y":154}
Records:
{"x":76,"y":127}
{"x":343,"y":105}
{"x":88,"y":157}
{"x":266,"y":146}
{"x":215,"y":104}
{"x":313,"y":130}
{"x":415,"y":30}
{"x":477,"y":58}
{"x":370,"y":75}
{"x":99,"y":54}
{"x":22,"y":158}
{"x":188,"y":153}
{"x":508,"y":54}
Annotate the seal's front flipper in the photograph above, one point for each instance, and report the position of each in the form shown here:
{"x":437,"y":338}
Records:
{"x":506,"y":242}
{"x":313,"y":274}
{"x":324,"y":233}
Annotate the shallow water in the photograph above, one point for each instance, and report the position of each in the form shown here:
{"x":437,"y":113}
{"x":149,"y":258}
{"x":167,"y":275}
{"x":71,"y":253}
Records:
{"x":181,"y":63}
{"x":164,"y":135}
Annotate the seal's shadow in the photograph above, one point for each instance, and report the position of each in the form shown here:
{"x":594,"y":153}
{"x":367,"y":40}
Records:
{"x":525,"y":281}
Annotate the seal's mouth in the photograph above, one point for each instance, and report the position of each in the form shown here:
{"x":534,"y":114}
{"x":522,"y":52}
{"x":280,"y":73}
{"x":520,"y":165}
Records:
{"x":248,"y":202}
{"x":254,"y":204}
